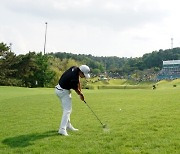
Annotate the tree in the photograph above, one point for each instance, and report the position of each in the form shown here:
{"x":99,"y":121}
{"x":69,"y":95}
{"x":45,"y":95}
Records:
{"x":34,"y":70}
{"x":26,"y":69}
{"x":3,"y":48}
{"x":8,"y":61}
{"x":43,"y":75}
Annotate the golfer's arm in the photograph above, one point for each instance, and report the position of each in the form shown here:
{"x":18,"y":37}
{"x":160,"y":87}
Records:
{"x":78,"y":90}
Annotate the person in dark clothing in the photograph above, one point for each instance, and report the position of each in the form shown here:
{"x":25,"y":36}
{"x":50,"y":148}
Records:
{"x":70,"y":79}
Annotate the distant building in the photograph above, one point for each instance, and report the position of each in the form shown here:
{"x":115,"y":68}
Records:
{"x":170,"y":70}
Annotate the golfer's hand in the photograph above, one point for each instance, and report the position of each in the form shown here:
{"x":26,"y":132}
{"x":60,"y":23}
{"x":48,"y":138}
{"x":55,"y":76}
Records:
{"x":81,"y":97}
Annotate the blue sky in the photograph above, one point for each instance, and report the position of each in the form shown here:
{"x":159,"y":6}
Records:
{"x":123,"y":28}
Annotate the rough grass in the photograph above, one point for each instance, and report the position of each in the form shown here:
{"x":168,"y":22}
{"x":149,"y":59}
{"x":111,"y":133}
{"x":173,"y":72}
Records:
{"x":139,"y":121}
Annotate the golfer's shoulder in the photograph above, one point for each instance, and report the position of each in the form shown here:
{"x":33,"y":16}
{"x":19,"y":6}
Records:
{"x":71,"y":72}
{"x":74,"y":69}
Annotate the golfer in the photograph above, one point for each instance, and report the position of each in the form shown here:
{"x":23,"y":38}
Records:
{"x":70,"y":79}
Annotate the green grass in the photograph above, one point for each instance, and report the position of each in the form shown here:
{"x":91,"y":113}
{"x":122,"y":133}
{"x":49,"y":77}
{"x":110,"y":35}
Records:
{"x":138,"y":120}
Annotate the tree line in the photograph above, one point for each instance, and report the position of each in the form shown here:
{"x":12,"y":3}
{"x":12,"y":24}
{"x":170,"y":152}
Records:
{"x":30,"y":70}
{"x":124,"y":66}
{"x":37,"y":70}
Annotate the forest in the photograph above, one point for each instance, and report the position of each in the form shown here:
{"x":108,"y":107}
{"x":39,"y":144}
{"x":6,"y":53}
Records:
{"x":37,"y":70}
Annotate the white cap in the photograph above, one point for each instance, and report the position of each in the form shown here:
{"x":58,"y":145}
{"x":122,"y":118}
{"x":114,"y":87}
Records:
{"x":85,"y":69}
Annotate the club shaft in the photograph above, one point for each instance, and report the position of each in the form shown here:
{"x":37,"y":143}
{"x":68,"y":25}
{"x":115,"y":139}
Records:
{"x":94,"y":113}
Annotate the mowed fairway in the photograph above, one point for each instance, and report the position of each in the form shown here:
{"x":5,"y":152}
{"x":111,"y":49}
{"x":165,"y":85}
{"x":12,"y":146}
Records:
{"x":139,"y":121}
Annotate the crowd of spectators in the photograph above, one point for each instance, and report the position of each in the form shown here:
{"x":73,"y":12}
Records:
{"x":169,"y":73}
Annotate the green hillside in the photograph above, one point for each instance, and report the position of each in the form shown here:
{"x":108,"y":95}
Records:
{"x":96,"y":83}
{"x":168,"y":83}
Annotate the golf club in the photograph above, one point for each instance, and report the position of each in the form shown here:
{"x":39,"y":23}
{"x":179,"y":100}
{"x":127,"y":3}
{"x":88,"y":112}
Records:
{"x":103,"y":125}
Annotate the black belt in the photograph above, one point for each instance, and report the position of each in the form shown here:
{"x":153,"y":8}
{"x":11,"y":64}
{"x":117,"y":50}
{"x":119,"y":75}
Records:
{"x":58,"y":88}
